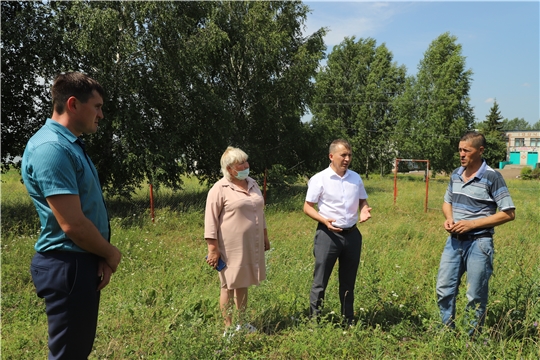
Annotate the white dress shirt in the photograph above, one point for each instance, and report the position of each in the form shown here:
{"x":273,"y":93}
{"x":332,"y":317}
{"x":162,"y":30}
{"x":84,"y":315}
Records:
{"x":337,"y":197}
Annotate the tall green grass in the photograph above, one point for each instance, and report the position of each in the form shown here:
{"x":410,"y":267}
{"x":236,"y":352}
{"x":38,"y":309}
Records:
{"x":162,"y":302}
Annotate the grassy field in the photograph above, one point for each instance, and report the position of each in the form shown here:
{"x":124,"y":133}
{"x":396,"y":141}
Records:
{"x":162,"y":302}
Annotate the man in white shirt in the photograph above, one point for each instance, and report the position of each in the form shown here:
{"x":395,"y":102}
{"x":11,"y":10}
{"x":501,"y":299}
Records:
{"x":342,"y":202}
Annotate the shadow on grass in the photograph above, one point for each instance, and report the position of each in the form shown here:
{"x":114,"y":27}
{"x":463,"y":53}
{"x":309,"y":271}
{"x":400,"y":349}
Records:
{"x":390,"y":315}
{"x":386,"y":318}
{"x":136,"y":212}
{"x":22,"y":218}
{"x":19,"y":219}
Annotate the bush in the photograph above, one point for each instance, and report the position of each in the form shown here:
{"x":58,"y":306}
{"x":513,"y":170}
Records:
{"x":528,"y":174}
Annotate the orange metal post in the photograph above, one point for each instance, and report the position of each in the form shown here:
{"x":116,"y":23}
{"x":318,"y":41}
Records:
{"x":395,"y":181}
{"x":427,"y":186}
{"x":152,"y":202}
{"x":264,"y":185}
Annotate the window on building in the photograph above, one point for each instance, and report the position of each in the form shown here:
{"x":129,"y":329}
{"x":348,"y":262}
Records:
{"x":535,"y":142}
{"x":519,"y":142}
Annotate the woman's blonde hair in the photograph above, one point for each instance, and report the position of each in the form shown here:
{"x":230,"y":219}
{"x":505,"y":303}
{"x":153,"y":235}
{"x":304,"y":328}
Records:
{"x":230,"y":157}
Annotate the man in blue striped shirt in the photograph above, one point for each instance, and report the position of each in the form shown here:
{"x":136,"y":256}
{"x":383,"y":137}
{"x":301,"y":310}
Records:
{"x":74,"y":259}
{"x":470,"y":207}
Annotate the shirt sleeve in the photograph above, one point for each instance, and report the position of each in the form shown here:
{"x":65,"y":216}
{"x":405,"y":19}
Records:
{"x":315,"y":189}
{"x":214,"y":205}
{"x":448,"y":193}
{"x":55,"y":171}
{"x":500,"y":193}
{"x":362,"y":194}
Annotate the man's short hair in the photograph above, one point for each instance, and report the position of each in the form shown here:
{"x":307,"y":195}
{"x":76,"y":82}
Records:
{"x":337,"y":142}
{"x":71,"y":84}
{"x":475,"y":138}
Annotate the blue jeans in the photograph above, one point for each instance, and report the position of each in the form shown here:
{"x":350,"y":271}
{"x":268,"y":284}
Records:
{"x":476,"y":258}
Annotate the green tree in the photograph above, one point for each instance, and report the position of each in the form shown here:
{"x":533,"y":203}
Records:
{"x":515,"y":124}
{"x":260,"y":66}
{"x":28,"y":56}
{"x":354,"y":100}
{"x":434,"y":111}
{"x":183,"y":80}
{"x":493,"y":119}
{"x":536,"y":125}
{"x":492,"y":128}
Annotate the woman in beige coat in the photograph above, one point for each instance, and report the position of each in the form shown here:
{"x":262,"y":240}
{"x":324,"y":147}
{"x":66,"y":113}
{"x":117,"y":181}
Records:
{"x":235,"y":231}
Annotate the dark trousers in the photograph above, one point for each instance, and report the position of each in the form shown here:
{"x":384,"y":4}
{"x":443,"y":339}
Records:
{"x":328,"y":247}
{"x":68,"y":282}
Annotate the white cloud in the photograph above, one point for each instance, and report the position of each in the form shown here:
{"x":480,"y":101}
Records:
{"x":526,"y":85}
{"x":347,"y":19}
{"x":489,"y":100}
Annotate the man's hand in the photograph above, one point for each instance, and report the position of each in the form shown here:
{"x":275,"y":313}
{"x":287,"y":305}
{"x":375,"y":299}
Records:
{"x":448,"y":225}
{"x":463,"y":226}
{"x":328,"y":223}
{"x":365,"y":210}
{"x":365,"y":214}
{"x":114,"y":258}
{"x":309,"y":210}
{"x":104,"y":272}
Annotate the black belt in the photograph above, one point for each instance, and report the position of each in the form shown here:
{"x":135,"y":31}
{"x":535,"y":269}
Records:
{"x":466,"y":237}
{"x":347,"y":230}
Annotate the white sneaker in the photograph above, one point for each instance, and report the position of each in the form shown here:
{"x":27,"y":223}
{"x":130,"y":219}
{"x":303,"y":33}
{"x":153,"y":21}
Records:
{"x":229,"y":332}
{"x":249,"y":328}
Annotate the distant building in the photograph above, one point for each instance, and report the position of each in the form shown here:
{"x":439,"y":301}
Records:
{"x":522,"y":148}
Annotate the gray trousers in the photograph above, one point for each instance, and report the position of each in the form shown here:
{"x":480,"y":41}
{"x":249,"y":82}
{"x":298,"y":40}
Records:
{"x":328,"y":247}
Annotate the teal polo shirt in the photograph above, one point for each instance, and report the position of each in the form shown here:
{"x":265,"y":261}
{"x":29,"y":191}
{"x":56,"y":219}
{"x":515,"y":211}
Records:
{"x":54,"y":163}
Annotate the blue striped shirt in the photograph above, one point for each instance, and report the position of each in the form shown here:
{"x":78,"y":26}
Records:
{"x":54,"y":164}
{"x":479,"y":197}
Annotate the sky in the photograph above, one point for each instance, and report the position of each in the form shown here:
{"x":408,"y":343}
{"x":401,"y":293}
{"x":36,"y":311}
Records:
{"x":500,"y":42}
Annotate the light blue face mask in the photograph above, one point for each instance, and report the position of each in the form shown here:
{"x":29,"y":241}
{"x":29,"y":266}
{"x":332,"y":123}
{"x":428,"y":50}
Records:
{"x":243,"y":174}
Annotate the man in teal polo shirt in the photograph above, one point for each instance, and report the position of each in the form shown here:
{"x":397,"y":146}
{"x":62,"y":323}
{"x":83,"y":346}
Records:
{"x":74,"y":259}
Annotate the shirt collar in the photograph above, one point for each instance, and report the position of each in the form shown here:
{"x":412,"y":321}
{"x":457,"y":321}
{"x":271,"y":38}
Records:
{"x":61,"y":129}
{"x":332,"y":173}
{"x":251,"y":182}
{"x":480,"y":171}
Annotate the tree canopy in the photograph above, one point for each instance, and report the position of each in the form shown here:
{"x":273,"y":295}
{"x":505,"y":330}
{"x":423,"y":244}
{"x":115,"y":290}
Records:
{"x":186,"y":79}
{"x":492,"y":128}
{"x":435,"y":111}
{"x":354,"y":95}
{"x":183,"y":80}
{"x":516,"y":124}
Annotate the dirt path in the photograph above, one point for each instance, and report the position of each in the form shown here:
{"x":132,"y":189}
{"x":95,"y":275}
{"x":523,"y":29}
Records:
{"x":510,"y":173}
